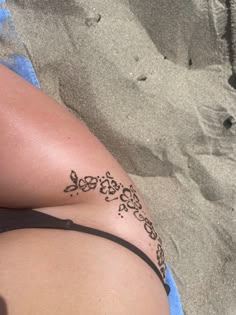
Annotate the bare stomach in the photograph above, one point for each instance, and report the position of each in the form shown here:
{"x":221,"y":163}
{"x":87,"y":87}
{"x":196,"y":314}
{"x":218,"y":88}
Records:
{"x":51,"y":272}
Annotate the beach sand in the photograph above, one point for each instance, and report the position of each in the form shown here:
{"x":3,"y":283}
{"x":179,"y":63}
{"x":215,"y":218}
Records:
{"x":150,"y":79}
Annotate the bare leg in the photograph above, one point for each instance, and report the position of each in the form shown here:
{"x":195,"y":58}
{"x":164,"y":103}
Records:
{"x":41,"y":142}
{"x":44,"y":149}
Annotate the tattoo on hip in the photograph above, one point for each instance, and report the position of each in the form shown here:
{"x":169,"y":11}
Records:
{"x":128,"y":203}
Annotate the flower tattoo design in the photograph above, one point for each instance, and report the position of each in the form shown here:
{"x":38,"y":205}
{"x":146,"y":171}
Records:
{"x":112,"y":190}
{"x":88,"y":183}
{"x":130,"y":198}
{"x":161,"y":260}
{"x":129,"y":203}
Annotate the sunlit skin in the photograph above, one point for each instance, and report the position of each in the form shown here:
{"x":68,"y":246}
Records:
{"x":52,"y":163}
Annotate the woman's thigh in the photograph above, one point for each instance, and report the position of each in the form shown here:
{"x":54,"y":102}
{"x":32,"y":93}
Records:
{"x":55,"y":272}
{"x":45,"y":149}
{"x":46,"y":153}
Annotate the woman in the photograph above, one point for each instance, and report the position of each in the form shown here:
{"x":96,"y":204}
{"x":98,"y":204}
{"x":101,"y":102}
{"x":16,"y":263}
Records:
{"x":75,"y":235}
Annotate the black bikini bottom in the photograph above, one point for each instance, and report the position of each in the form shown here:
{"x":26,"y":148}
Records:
{"x":26,"y":218}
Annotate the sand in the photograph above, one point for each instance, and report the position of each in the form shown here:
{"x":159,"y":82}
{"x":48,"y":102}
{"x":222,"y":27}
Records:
{"x":150,"y":79}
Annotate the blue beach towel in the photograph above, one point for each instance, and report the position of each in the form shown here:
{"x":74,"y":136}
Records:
{"x":18,"y":62}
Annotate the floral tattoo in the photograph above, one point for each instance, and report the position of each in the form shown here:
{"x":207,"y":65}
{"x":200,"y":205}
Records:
{"x":129,"y":202}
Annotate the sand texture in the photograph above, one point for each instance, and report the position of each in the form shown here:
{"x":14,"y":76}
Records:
{"x":151,"y":80}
